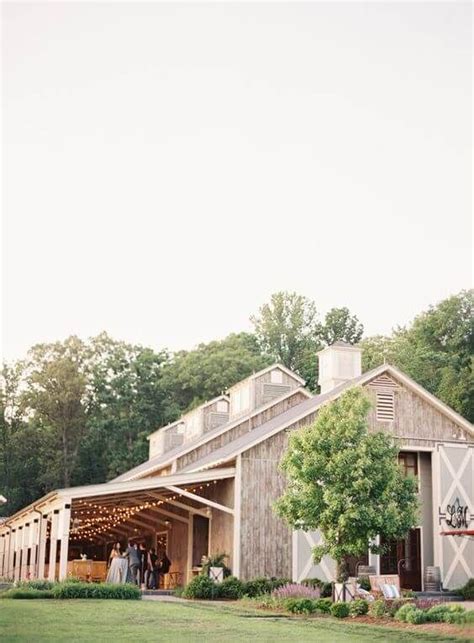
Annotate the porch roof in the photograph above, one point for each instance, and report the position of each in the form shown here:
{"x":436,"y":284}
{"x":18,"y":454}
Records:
{"x":111,"y":491}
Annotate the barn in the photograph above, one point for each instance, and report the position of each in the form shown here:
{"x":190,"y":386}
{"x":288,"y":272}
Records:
{"x":212,"y":477}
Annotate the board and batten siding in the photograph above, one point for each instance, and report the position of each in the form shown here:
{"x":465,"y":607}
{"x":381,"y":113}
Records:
{"x":265,"y":539}
{"x":242,"y":428}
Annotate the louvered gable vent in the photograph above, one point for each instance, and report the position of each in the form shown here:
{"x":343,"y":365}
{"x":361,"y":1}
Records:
{"x":385,"y":407}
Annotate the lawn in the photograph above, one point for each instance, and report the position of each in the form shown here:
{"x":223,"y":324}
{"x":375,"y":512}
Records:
{"x":89,"y":620}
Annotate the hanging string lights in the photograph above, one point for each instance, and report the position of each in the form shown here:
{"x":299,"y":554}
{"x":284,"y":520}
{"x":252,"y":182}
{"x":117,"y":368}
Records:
{"x":96,"y":520}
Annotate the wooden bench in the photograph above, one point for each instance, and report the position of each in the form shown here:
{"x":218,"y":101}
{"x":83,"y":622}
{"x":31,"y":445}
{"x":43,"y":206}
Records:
{"x":376,"y":583}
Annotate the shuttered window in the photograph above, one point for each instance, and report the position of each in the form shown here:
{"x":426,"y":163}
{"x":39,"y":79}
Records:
{"x":385,"y":407}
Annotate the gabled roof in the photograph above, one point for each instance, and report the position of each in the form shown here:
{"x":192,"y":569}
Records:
{"x":283,"y":368}
{"x":168,"y":457}
{"x":280,"y":422}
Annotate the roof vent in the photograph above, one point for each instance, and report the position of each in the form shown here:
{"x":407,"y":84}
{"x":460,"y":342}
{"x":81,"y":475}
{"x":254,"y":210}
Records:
{"x":338,"y":363}
{"x":385,"y":407}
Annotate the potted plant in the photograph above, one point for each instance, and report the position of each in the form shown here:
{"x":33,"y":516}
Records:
{"x":214,"y":566}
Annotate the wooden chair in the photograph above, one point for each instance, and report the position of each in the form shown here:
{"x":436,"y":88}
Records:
{"x":376,"y":583}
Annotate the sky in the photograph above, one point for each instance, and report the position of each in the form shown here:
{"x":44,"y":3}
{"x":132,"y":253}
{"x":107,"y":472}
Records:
{"x":166,"y":167}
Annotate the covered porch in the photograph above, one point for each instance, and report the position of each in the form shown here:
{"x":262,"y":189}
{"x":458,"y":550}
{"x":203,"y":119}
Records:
{"x":188,"y":515}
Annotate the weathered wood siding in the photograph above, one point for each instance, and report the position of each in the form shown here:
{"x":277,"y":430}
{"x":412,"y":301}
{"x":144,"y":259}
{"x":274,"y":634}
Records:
{"x":264,"y":390}
{"x":240,"y":429}
{"x":178,"y":547}
{"x":222,"y":524}
{"x":265,"y":539}
{"x":416,"y":422}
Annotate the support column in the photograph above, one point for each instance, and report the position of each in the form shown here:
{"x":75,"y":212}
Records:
{"x":53,"y":545}
{"x":190,"y":547}
{"x":237,"y":505}
{"x":64,"y":523}
{"x":24,"y":571}
{"x":43,"y":526}
{"x":11,"y":553}
{"x":18,"y":545}
{"x":33,"y":543}
{"x":2,"y":553}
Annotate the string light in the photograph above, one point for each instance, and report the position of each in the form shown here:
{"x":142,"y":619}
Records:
{"x":101,"y":519}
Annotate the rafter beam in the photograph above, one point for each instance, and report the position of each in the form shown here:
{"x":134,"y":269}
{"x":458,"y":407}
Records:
{"x":204,"y":501}
{"x":169,"y":514}
{"x":181,"y":505}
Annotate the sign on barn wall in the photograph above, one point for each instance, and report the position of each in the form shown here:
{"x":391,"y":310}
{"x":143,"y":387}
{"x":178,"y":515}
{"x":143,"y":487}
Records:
{"x":453,"y":492}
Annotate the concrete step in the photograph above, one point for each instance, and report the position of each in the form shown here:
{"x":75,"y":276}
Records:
{"x":442,"y":596}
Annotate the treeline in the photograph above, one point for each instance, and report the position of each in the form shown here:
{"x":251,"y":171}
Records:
{"x":78,"y":411}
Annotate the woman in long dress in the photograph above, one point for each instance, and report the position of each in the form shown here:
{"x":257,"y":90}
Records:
{"x":117,"y":566}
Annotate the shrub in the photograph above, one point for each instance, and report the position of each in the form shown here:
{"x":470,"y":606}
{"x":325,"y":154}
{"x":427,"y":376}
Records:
{"x":403,"y":612}
{"x":293,"y":590}
{"x":364,"y":583}
{"x":340,"y":610}
{"x":300,"y":605}
{"x":201,"y":587}
{"x":96,"y":590}
{"x":467,"y":592}
{"x":260,"y":586}
{"x":469,"y":616}
{"x":324,"y":587}
{"x":436,"y":613}
{"x":416,"y":616}
{"x":359,"y":607}
{"x":323,"y":605}
{"x":27,"y":593}
{"x":231,"y":588}
{"x":455,"y":618}
{"x":37,"y":584}
{"x":377,"y":608}
{"x":392,"y":607}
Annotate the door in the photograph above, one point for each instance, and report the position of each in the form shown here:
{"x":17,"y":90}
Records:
{"x":403,"y":557}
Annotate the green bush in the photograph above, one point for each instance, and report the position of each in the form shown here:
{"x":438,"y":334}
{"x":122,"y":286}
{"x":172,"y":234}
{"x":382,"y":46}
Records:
{"x":392,"y":607}
{"x":455,"y":615}
{"x":403,"y":612}
{"x":37,"y":584}
{"x":359,"y":607}
{"x":364,"y":583}
{"x":323,"y":605}
{"x":201,"y":587}
{"x":469,"y":616}
{"x":325,"y":588}
{"x":27,"y":593}
{"x":416,"y":616}
{"x":377,"y":608}
{"x":96,"y":590}
{"x":300,"y":605}
{"x":467,"y":592}
{"x":231,"y":588}
{"x":436,"y":613}
{"x":260,"y":586}
{"x":340,"y":610}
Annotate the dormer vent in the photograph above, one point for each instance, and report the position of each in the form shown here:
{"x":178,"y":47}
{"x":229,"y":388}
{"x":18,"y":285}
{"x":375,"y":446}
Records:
{"x":338,"y":363}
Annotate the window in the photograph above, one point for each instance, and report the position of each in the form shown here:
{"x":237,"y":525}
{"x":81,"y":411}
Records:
{"x":276,"y":377}
{"x":409,"y":463}
{"x":385,"y":407}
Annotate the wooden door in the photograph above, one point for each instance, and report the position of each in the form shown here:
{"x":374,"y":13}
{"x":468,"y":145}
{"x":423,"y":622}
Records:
{"x":409,"y":563}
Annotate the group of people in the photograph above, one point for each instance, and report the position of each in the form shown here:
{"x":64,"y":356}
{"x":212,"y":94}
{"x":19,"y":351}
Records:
{"x":138,"y":565}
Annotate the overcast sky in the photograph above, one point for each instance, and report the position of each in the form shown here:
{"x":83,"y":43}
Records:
{"x":167,"y":167}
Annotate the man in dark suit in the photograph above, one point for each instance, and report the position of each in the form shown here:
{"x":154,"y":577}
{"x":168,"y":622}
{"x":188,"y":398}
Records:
{"x":133,"y":556}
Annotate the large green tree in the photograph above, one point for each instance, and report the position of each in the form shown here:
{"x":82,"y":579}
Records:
{"x":346,"y":482}
{"x":436,"y":349}
{"x":191,"y":377}
{"x":340,"y":324}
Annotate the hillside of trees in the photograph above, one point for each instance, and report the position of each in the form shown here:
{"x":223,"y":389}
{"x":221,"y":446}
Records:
{"x":78,"y":411}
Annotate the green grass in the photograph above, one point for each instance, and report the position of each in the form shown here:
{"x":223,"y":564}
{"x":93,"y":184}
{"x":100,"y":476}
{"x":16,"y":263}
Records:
{"x":94,"y":620}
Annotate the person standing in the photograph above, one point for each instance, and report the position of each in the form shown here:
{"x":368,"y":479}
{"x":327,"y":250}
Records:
{"x":152,"y":576}
{"x":133,"y":556}
{"x":143,"y":553}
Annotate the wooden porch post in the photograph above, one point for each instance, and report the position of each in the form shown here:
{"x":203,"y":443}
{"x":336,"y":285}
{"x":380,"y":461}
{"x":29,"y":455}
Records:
{"x":33,"y":547}
{"x":2,"y":553}
{"x":11,"y":553}
{"x":65,"y":519}
{"x":237,"y":513}
{"x":43,"y":525}
{"x":190,"y":547}
{"x":24,"y":553}
{"x":18,"y":543}
{"x":53,"y":545}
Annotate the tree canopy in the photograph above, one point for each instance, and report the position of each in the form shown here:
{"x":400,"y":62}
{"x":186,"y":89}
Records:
{"x":346,"y":482}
